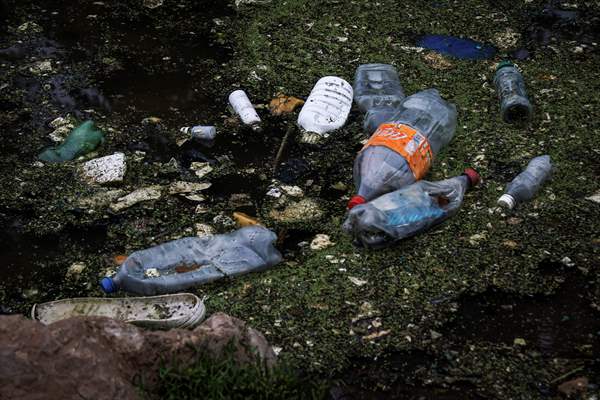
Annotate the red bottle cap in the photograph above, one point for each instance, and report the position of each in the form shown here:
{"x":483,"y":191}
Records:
{"x":473,"y":176}
{"x":356,"y":200}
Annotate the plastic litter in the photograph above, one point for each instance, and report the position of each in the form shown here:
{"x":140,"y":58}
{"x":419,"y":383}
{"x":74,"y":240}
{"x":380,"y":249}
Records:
{"x":202,"y":133}
{"x":407,"y":211}
{"x":514,"y":104}
{"x":242,"y":106}
{"x":326,"y":109}
{"x":401,"y":152}
{"x":82,"y":140}
{"x":378,"y":93}
{"x":192,"y":261}
{"x":527,"y":183}
{"x":457,"y":47}
{"x":182,"y":310}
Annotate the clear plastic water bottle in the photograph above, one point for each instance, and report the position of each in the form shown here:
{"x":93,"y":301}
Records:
{"x":407,"y":211}
{"x":378,"y":93}
{"x":514,"y":104}
{"x":401,"y":152}
{"x":184,"y":263}
{"x":527,"y":183}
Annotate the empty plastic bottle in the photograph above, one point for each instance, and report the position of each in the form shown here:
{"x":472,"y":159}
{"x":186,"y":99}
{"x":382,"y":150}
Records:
{"x":401,"y":152}
{"x":82,"y":140}
{"x":242,"y":106}
{"x":407,"y":211}
{"x":378,"y":93}
{"x":326,"y":109}
{"x":204,"y":134}
{"x":184,"y":263}
{"x":527,"y":183}
{"x":514,"y":104}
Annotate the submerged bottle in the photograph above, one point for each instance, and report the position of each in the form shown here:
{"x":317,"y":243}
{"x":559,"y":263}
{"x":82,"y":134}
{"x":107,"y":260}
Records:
{"x":514,"y":104}
{"x":527,"y":183}
{"x":326,"y":109}
{"x":400,"y":152}
{"x":378,"y":93}
{"x":201,"y":133}
{"x":407,"y":211}
{"x":180,"y":264}
{"x":82,"y":140}
{"x":242,"y":106}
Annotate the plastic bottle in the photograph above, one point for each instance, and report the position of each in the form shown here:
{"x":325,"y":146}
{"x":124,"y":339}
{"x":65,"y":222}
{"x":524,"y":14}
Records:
{"x":242,"y":106}
{"x":527,"y":183}
{"x":82,"y":140}
{"x":326,"y":109}
{"x":401,"y":152}
{"x":408,"y":211}
{"x":201,"y":133}
{"x":514,"y":104}
{"x":180,"y":264}
{"x":378,"y":93}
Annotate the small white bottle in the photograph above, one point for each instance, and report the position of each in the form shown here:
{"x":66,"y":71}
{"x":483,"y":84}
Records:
{"x":242,"y":106}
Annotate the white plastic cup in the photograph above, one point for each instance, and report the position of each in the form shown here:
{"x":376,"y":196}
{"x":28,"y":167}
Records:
{"x":243,"y":107}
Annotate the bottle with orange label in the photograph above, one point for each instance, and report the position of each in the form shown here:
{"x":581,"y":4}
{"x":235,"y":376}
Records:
{"x":401,"y":151}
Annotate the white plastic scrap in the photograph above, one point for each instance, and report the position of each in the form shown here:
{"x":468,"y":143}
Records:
{"x":321,"y":241}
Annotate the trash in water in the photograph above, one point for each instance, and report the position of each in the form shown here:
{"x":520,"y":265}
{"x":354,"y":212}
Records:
{"x":514,"y":104}
{"x":401,"y":152}
{"x":203,"y":134}
{"x":137,"y":196}
{"x":242,"y":106}
{"x":181,"y":310}
{"x":284,"y":104}
{"x":243,"y":219}
{"x":326,"y":108}
{"x":457,"y":47}
{"x":527,"y":183}
{"x":246,"y":250}
{"x":408,"y":211}
{"x":109,"y":169}
{"x":378,"y":93}
{"x":82,"y":140}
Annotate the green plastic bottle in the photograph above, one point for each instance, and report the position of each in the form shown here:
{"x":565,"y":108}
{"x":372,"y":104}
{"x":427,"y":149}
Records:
{"x":83,"y":139}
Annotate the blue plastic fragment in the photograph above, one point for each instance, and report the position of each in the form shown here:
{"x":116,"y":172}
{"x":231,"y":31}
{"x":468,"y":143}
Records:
{"x":457,"y":47}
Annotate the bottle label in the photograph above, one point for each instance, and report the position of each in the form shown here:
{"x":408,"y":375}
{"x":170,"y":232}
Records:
{"x":406,"y":141}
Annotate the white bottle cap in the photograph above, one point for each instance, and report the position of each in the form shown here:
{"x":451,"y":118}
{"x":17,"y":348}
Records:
{"x":506,"y":200}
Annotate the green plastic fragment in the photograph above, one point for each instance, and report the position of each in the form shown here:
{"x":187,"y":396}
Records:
{"x":82,"y":140}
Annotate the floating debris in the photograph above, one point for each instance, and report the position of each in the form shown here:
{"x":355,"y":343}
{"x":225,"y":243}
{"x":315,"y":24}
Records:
{"x":457,"y":47}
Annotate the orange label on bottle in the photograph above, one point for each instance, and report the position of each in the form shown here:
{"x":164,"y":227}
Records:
{"x":406,"y":141}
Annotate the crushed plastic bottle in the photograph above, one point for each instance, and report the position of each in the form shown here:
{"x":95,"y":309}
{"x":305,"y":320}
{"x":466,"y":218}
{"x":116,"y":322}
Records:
{"x":326,"y":109}
{"x":527,"y":183}
{"x":203,"y":134}
{"x":401,"y":152}
{"x":82,"y":140}
{"x":514,"y":105}
{"x":378,"y":93}
{"x":191,"y":261}
{"x":408,"y":211}
{"x":242,"y":106}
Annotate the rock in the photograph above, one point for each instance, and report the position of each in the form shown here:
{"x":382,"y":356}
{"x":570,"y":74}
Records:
{"x":595,"y":197}
{"x":437,"y":61}
{"x":100,"y":199}
{"x":357,"y":281}
{"x":204,"y":230}
{"x":574,"y":387}
{"x":520,"y":342}
{"x":305,"y":210}
{"x":109,"y":169}
{"x":41,"y":67}
{"x":101,"y":358}
{"x":152,"y":4}
{"x":478,"y":237}
{"x":224,"y":221}
{"x":292,"y":191}
{"x":182,"y":187}
{"x":506,"y":40}
{"x":320,"y":242}
{"x":29,"y":27}
{"x":137,"y":196}
{"x":201,"y":169}
{"x":511,"y":244}
{"x":62,"y":127}
{"x":75,"y":270}
{"x":434,"y":335}
{"x":238,"y":200}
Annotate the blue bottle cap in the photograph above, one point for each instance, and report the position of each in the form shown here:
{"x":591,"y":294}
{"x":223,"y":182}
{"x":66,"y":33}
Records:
{"x":108,"y":285}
